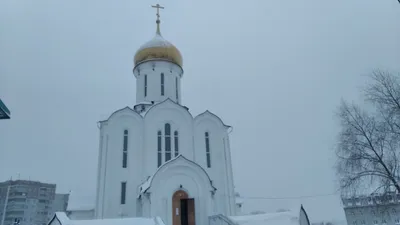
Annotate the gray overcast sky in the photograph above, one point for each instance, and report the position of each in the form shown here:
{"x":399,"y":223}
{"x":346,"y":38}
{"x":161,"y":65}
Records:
{"x":274,"y":70}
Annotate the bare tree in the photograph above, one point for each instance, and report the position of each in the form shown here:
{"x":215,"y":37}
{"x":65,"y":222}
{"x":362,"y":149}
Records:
{"x":369,"y":141}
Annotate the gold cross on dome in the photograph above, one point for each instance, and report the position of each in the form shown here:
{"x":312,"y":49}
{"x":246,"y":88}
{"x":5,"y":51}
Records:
{"x":158,"y":7}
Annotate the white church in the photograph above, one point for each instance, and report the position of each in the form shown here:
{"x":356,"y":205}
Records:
{"x":157,"y":160}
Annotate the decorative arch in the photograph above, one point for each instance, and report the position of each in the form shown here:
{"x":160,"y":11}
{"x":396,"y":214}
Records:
{"x":207,"y":115}
{"x":124,"y":111}
{"x":178,"y":161}
{"x":169,"y":104}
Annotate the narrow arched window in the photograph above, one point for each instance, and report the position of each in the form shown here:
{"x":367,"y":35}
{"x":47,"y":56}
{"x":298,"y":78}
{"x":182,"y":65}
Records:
{"x":208,"y":156}
{"x":176,"y":143}
{"x":125,"y":150}
{"x":167,"y":142}
{"x":159,"y":149}
{"x":145,"y":85}
{"x":162,"y":84}
{"x":123,"y":193}
{"x":176,"y":88}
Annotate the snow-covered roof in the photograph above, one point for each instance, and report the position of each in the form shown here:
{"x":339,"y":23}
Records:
{"x":144,"y":103}
{"x":80,"y":203}
{"x":62,"y":219}
{"x":145,"y":185}
{"x":81,"y":208}
{"x":156,"y":41}
{"x":281,"y":218}
{"x":290,"y":217}
{"x":239,"y":200}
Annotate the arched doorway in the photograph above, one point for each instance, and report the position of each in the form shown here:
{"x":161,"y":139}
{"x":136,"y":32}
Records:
{"x":182,"y":209}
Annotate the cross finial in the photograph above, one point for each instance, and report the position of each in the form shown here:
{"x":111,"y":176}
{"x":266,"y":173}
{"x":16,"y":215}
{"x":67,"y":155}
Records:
{"x":158,"y":7}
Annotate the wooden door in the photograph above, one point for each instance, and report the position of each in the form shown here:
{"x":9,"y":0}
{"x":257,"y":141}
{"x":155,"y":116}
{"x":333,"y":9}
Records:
{"x":176,"y":206}
{"x":190,"y":211}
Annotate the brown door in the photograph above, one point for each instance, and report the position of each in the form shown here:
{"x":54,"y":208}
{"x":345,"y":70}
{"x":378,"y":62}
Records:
{"x":190,"y":211}
{"x":176,"y":206}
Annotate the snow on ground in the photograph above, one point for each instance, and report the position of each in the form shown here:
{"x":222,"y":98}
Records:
{"x":281,"y":218}
{"x":64,"y":220}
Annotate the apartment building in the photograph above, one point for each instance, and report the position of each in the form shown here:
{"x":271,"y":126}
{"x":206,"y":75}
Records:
{"x":373,"y":210}
{"x":29,"y":202}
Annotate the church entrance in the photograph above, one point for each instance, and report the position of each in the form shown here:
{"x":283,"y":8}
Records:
{"x":182,"y":209}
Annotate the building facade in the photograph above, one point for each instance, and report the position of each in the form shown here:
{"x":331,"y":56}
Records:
{"x":29,"y":202}
{"x":373,"y":210}
{"x":157,"y":159}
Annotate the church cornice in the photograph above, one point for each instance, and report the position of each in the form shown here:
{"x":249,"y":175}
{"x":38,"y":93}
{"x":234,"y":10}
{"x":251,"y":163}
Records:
{"x":155,"y":60}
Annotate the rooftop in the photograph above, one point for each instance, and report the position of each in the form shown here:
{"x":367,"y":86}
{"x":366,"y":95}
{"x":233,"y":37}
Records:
{"x":370,"y":200}
{"x":64,"y":220}
{"x":26,"y":182}
{"x":281,"y":218}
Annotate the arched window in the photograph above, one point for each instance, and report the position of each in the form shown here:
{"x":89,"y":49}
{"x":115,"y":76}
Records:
{"x":123,"y":193}
{"x":145,"y":85}
{"x":207,"y":139}
{"x":162,"y":84}
{"x":125,"y":150}
{"x":159,"y":149}
{"x":176,"y":143}
{"x":167,"y":142}
{"x":176,"y":88}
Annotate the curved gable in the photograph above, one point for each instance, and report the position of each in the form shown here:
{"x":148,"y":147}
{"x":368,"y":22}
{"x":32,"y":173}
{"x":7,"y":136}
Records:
{"x":303,"y":217}
{"x":207,"y":115}
{"x":124,"y":111}
{"x":177,"y":161}
{"x":59,"y":218}
{"x":169,"y":104}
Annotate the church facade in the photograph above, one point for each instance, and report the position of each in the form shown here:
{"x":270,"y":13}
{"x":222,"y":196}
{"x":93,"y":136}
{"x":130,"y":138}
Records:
{"x":157,"y":159}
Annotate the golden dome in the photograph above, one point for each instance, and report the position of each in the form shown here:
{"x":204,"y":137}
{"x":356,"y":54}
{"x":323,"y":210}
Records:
{"x":158,"y":48}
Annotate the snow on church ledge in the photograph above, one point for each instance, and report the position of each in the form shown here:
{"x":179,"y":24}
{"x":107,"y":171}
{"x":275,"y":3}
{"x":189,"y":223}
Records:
{"x":60,"y":218}
{"x":142,"y":115}
{"x":147,"y":184}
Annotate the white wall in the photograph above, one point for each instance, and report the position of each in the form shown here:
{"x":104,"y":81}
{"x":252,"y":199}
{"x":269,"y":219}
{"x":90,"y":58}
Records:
{"x":153,"y":70}
{"x":111,"y":171}
{"x":179,"y":119}
{"x":220,"y":170}
{"x":194,"y":181}
{"x":142,"y":161}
